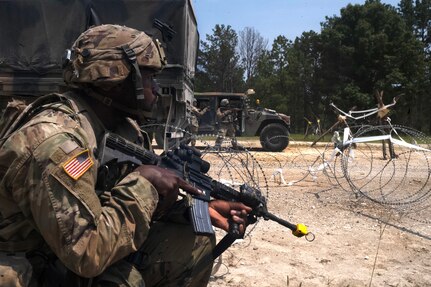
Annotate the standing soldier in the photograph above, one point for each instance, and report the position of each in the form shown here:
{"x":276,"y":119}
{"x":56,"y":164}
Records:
{"x":196,"y":115}
{"x":57,"y":222}
{"x":227,"y":121}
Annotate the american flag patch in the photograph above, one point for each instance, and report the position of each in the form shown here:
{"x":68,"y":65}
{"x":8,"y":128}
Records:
{"x":78,"y":165}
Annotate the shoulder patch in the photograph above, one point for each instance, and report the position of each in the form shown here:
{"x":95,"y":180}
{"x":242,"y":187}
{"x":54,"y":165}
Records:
{"x":69,"y":146}
{"x":76,"y":166}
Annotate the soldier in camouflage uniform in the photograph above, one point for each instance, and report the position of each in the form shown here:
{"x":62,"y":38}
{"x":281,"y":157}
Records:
{"x":226,"y":118}
{"x":194,"y":127}
{"x":55,"y":229}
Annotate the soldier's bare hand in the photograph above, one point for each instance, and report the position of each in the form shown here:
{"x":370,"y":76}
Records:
{"x":167,"y":184}
{"x":221,"y":212}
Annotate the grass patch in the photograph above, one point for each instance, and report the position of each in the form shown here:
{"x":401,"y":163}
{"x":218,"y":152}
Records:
{"x":310,"y":138}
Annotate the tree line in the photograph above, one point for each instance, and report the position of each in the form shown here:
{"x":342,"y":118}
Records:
{"x":369,"y":48}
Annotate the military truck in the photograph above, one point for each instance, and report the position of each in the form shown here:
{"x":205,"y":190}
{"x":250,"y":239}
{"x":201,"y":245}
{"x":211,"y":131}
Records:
{"x":272,"y":128}
{"x":34,"y":35}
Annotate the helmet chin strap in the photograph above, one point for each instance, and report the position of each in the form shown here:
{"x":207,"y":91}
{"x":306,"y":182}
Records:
{"x":136,"y":74}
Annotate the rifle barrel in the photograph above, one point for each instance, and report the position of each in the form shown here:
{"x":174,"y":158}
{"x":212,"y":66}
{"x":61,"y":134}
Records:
{"x":277,"y":219}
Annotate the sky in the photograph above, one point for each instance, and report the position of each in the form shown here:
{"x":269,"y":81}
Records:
{"x":270,"y":18}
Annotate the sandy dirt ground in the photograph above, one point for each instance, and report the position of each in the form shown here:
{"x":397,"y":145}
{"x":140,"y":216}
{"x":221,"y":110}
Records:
{"x":358,"y":242}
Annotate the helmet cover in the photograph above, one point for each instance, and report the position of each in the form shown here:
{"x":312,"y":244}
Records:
{"x":224,"y":103}
{"x":98,"y":56}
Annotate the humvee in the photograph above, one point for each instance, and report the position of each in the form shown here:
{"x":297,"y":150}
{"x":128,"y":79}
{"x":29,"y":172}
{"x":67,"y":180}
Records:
{"x":272,"y":128}
{"x":34,"y":35}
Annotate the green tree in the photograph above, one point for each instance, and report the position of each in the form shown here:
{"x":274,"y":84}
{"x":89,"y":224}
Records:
{"x":271,"y":76}
{"x":263,"y":79}
{"x":417,"y":15}
{"x":287,"y":76}
{"x":278,"y":59}
{"x":303,"y":81}
{"x":368,"y":48}
{"x":251,"y":46}
{"x":218,"y":64}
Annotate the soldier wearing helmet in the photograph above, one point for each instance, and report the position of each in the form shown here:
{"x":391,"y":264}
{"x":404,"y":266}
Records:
{"x":195,"y":116}
{"x":224,"y":103}
{"x":227,"y":121}
{"x":53,"y":210}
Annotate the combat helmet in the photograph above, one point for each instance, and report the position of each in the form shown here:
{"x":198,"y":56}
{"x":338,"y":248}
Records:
{"x":105,"y":55}
{"x":224,"y":103}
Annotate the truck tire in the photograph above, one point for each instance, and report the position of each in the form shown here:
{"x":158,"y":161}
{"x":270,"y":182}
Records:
{"x":274,"y":137}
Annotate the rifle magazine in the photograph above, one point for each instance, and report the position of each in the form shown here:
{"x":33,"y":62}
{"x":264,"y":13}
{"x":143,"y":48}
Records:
{"x":200,"y":217}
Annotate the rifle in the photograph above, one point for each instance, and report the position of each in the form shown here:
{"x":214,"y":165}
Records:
{"x":187,"y":163}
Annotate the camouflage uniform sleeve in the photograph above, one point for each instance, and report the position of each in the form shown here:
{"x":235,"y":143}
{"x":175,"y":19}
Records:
{"x":86,"y":233}
{"x":203,"y":111}
{"x":219,"y":114}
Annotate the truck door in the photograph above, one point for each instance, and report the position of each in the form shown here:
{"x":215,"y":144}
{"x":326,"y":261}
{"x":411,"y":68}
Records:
{"x":208,"y":121}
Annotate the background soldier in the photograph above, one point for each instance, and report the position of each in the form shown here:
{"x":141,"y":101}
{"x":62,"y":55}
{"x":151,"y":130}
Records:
{"x":50,"y":212}
{"x":227,"y":121}
{"x":196,"y":115}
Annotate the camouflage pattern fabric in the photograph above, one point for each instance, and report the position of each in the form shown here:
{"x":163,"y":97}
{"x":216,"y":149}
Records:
{"x":99,"y":59}
{"x":194,"y":123}
{"x":10,"y":114}
{"x":15,"y":270}
{"x":226,"y":120}
{"x":41,"y":204}
{"x":187,"y":256}
{"x":171,"y":256}
{"x":196,"y":114}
